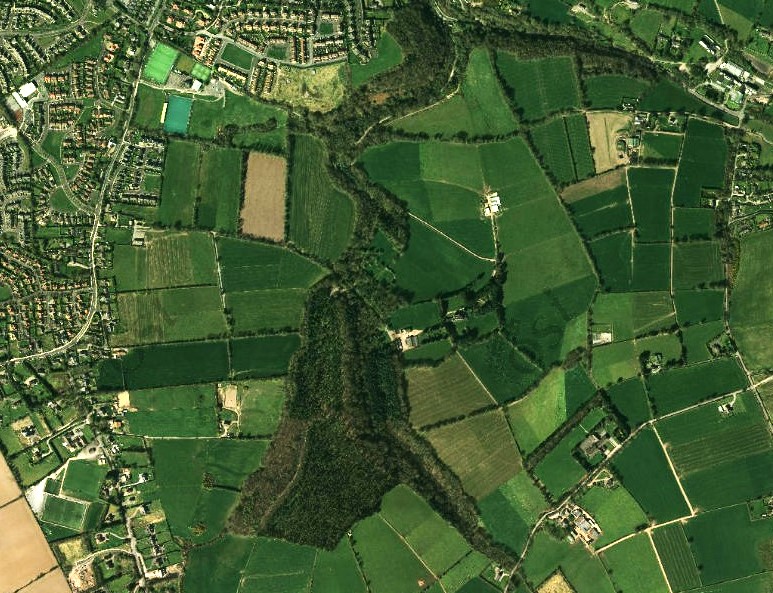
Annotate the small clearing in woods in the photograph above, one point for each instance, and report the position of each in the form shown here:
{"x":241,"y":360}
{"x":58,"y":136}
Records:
{"x":263,"y":210}
{"x":593,"y":186}
{"x":604,"y":129}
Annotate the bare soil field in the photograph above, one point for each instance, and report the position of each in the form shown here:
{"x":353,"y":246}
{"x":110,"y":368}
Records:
{"x":604,"y":129}
{"x":8,"y":488}
{"x":593,"y":186}
{"x":53,"y":582}
{"x":555,"y":584}
{"x":263,"y":211}
{"x":24,"y":552}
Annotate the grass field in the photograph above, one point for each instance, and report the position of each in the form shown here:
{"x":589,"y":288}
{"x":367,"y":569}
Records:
{"x":702,"y":164}
{"x":511,"y":510}
{"x":651,"y":201}
{"x":633,"y":314}
{"x":697,"y":264}
{"x":751,"y":301}
{"x":646,"y":24}
{"x":480,"y":109}
{"x":337,"y":570}
{"x":674,"y":552}
{"x":177,"y":115}
{"x":159,"y":64}
{"x":263,"y":356}
{"x":389,"y":54}
{"x":260,"y":406}
{"x":220,"y":190}
{"x":480,"y":450}
{"x":169,"y":315}
{"x":187,"y":411}
{"x":603,"y":212}
{"x":612,"y":255}
{"x":700,"y":306}
{"x":721,"y":459}
{"x":552,"y":146}
{"x":64,"y":512}
{"x":236,"y":56}
{"x":504,"y":370}
{"x":83,"y":479}
{"x":609,"y":91}
{"x":268,"y":309}
{"x":661,"y":147}
{"x":614,"y":362}
{"x":677,"y":388}
{"x":696,"y":339}
{"x":559,"y":470}
{"x":694,"y":223}
{"x":418,"y":316}
{"x":442,"y":392}
{"x":178,"y":190}
{"x":615,"y":510}
{"x":630,"y":398}
{"x":321,"y":215}
{"x":247,"y":265}
{"x":633,"y":566}
{"x":557,"y":397}
{"x":645,"y":473}
{"x":651,"y":266}
{"x":540,"y":87}
{"x":168,"y":260}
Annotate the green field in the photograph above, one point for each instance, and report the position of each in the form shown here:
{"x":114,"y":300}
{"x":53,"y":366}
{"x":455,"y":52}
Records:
{"x":559,"y":470}
{"x":698,"y":264}
{"x":674,"y":552}
{"x":645,"y":473}
{"x":169,"y":315}
{"x":159,"y":64}
{"x":510,"y":511}
{"x":504,"y":370}
{"x":646,"y":24}
{"x":220,"y":190}
{"x":633,"y":566}
{"x":614,"y":362}
{"x":630,"y":398}
{"x":603,"y":212}
{"x":418,"y":316}
{"x":480,"y":109}
{"x":651,"y":202}
{"x":260,"y":406}
{"x":609,"y":91}
{"x":187,"y":411}
{"x":263,"y":356}
{"x":677,"y":388}
{"x":480,"y":450}
{"x":64,"y":512}
{"x":267,"y":309}
{"x":388,"y":55}
{"x":632,"y":314}
{"x":694,"y":223}
{"x":615,"y":510}
{"x":702,"y":164}
{"x":612,"y":256}
{"x":177,"y":115}
{"x":721,"y":459}
{"x":651,"y":266}
{"x":442,"y":392}
{"x":661,"y":147}
{"x":555,"y":399}
{"x":167,"y":260}
{"x":539,"y":87}
{"x":700,"y":306}
{"x":750,"y":306}
{"x":321,"y":216}
{"x":178,"y":190}
{"x":235,"y":55}
{"x":83,"y":479}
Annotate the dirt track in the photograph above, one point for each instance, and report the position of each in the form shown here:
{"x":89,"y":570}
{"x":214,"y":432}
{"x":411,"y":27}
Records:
{"x":263,"y":211}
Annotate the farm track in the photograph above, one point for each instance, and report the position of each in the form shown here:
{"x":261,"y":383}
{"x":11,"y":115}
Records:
{"x":451,"y":239}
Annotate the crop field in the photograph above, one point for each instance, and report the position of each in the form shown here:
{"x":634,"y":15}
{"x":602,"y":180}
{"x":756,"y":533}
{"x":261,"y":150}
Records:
{"x":677,"y":388}
{"x":431,"y":537}
{"x":694,"y":223}
{"x":603,"y":212}
{"x":633,"y":566}
{"x":605,"y":128}
{"x":270,"y":309}
{"x":167,"y":364}
{"x":700,"y":306}
{"x":674,"y":552}
{"x":669,"y":346}
{"x":651,"y":201}
{"x":728,"y":545}
{"x":263,"y":211}
{"x":180,"y":467}
{"x":210,"y":118}
{"x":559,"y":470}
{"x":246,"y":265}
{"x":220,"y":189}
{"x":616,"y":511}
{"x":612,"y":255}
{"x":418,"y":316}
{"x":651,"y":266}
{"x":502,"y":368}
{"x":630,"y":398}
{"x":187,"y":411}
{"x":479,"y":110}
{"x":169,"y":315}
{"x":697,"y":337}
{"x":645,"y":473}
{"x":609,"y":91}
{"x":260,"y":406}
{"x":263,"y":356}
{"x":83,"y":479}
{"x":388,"y":563}
{"x":167,"y":260}
{"x":337,"y":570}
{"x":446,"y":391}
{"x":721,"y":459}
{"x":510,"y":511}
{"x":389,"y":55}
{"x":702,"y":164}
{"x":614,"y":362}
{"x":556,"y":398}
{"x":584,"y":572}
{"x":631,"y":314}
{"x":64,"y":512}
{"x":539,"y":87}
{"x":564,"y":146}
{"x":321,"y":215}
{"x":697,"y":264}
{"x":751,"y":301}
{"x":480,"y":450}
{"x":178,"y":191}
{"x":661,"y":147}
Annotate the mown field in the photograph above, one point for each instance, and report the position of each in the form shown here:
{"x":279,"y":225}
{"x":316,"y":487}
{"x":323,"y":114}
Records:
{"x":220,"y":190}
{"x":633,"y":566}
{"x":702,"y":164}
{"x":178,"y":190}
{"x":321,"y":216}
{"x":615,"y":510}
{"x":187,"y":411}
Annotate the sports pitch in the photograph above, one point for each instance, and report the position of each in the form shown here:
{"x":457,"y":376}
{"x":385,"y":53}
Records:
{"x":160,"y":63}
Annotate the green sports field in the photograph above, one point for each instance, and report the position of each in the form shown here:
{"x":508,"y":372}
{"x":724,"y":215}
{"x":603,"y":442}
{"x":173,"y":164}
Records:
{"x":160,"y":63}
